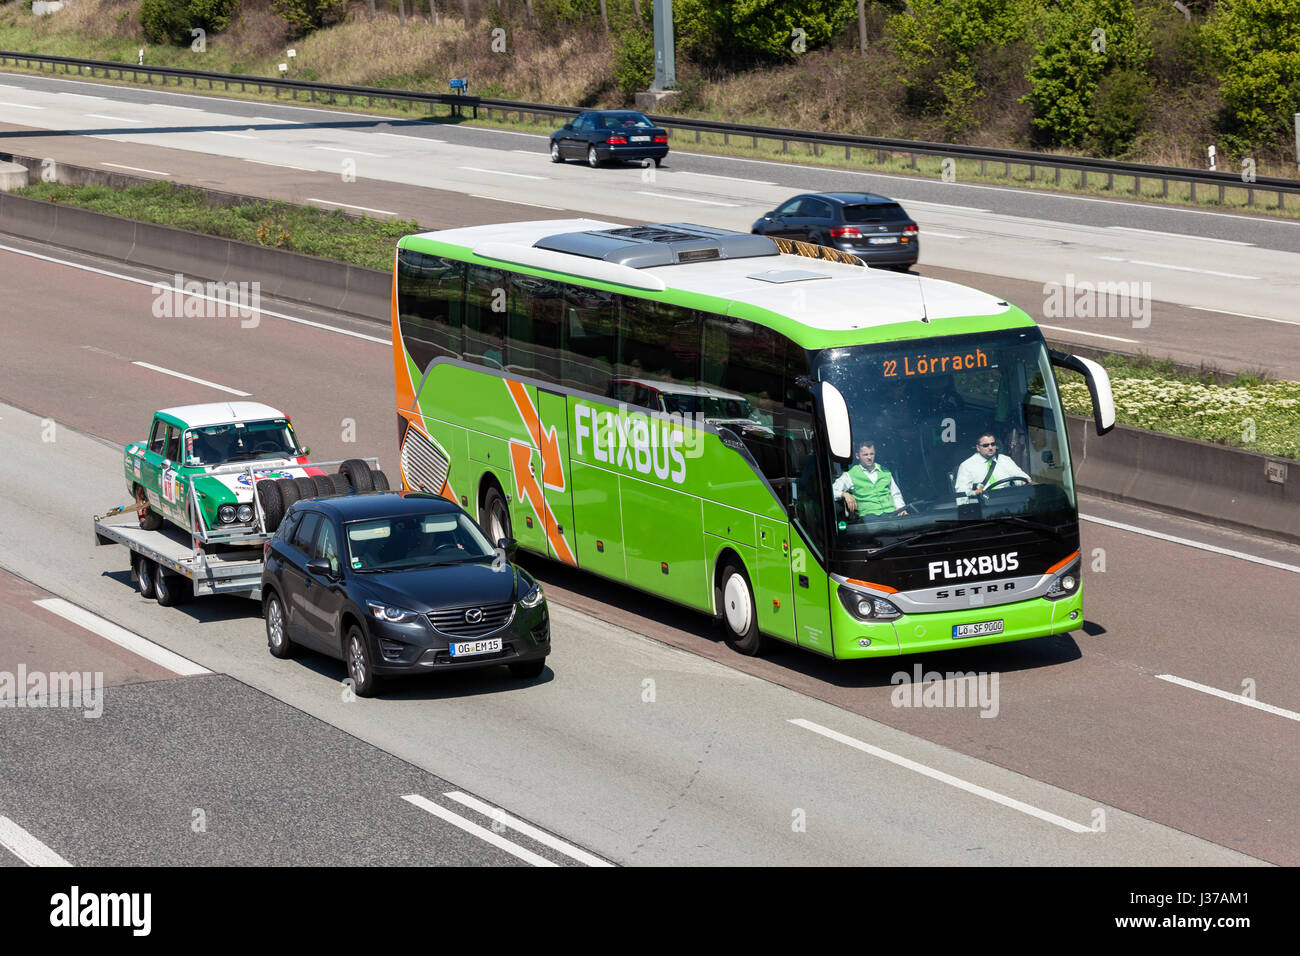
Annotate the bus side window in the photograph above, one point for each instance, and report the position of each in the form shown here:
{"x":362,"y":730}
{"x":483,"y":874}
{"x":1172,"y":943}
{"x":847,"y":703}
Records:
{"x":590,"y":349}
{"x":430,"y":293}
{"x":485,"y":316}
{"x":533,"y":333}
{"x":659,"y":343}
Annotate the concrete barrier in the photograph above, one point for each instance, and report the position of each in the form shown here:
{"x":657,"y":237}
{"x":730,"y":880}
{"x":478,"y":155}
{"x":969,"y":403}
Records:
{"x":1228,"y":486}
{"x":12,"y":176}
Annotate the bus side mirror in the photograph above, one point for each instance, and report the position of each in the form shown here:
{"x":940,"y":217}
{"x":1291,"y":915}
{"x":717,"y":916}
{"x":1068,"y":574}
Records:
{"x":839,"y":433}
{"x":1103,"y":402}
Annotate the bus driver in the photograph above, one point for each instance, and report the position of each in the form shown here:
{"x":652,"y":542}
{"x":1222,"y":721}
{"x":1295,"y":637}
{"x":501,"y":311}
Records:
{"x":986,"y":468}
{"x":868,"y":488}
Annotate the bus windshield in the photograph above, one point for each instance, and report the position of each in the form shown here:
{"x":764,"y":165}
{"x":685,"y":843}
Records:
{"x":947,"y":433}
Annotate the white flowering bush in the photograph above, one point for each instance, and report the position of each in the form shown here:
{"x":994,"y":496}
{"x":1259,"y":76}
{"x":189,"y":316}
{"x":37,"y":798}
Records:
{"x":1263,"y":417}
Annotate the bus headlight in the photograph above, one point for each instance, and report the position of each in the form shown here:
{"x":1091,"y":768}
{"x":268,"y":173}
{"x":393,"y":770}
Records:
{"x":226,"y":514}
{"x":245,"y":512}
{"x":1066,"y":582}
{"x":866,"y":607}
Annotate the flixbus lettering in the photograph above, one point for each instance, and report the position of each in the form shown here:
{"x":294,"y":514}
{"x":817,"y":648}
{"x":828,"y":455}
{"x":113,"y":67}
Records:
{"x":632,"y":442}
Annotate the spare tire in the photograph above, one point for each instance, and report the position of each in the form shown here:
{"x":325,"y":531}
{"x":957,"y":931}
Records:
{"x":340,"y":483}
{"x":357,"y":473}
{"x":288,"y":492}
{"x":268,"y":493}
{"x":324,"y":487}
{"x":379,"y":481}
{"x":306,"y":488}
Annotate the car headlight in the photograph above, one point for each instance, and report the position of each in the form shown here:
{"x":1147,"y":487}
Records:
{"x":226,"y":514}
{"x":391,"y":613}
{"x":534,"y":597}
{"x":245,"y":512}
{"x":867,"y":607}
{"x":1065,"y":583}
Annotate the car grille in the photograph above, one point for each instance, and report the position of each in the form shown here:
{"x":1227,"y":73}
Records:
{"x":423,"y":463}
{"x":453,"y":621}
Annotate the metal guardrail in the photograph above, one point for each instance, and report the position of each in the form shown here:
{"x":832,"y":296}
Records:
{"x":1008,"y":158}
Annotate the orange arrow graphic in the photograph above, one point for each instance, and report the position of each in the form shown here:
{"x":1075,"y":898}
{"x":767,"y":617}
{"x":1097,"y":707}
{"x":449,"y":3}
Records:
{"x":526,"y":486}
{"x":547,"y":442}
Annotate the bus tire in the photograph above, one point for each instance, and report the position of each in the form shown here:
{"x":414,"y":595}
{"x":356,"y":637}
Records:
{"x":324,"y":487}
{"x":306,"y":488}
{"x":357,"y":473}
{"x":496,"y":517}
{"x":288,"y":492}
{"x":142,"y":571}
{"x":277,"y":629}
{"x":149,"y":519}
{"x":739,"y":612}
{"x":169,"y":589}
{"x":340,"y":483}
{"x":268,"y":493}
{"x":379,"y":480}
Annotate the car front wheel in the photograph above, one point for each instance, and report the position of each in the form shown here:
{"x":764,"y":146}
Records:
{"x":359,"y":663}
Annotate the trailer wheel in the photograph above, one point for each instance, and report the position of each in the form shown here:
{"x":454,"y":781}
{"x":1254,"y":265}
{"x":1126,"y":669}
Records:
{"x":288,"y":492}
{"x":142,"y":571}
{"x":306,"y":488}
{"x":340,"y":483}
{"x":149,"y":519}
{"x":379,"y":481}
{"x":268,"y":492}
{"x":324,"y":487}
{"x":358,"y":474}
{"x":169,"y":589}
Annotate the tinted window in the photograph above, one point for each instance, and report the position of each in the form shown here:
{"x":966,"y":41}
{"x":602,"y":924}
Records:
{"x":327,"y":545}
{"x":659,"y":343}
{"x":288,"y":526}
{"x":173,"y":452}
{"x":815,"y":209}
{"x":306,"y":531}
{"x":790,"y":209}
{"x":583,"y":123}
{"x":429,"y":292}
{"x":391,"y":544}
{"x":625,"y":121}
{"x":485,"y":316}
{"x":590,"y":339}
{"x":875,"y":212}
{"x":533,"y":333}
{"x":157,"y":440}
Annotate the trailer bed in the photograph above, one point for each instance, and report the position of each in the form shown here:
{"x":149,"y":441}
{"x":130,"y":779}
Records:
{"x":231,"y":570}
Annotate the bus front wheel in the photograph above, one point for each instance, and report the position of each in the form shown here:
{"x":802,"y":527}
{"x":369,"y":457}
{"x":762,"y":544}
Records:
{"x":739,"y":614}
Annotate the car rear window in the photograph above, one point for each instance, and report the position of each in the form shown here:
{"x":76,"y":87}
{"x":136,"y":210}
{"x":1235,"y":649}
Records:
{"x":874,"y":212}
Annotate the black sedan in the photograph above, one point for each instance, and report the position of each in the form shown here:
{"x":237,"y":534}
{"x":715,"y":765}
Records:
{"x":399,"y":584}
{"x":874,"y":228}
{"x":602,"y":135}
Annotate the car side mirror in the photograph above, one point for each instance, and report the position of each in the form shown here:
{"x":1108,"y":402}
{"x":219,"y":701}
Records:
{"x":322,"y":567}
{"x":568,"y":126}
{"x":304,"y":450}
{"x":510,"y":546}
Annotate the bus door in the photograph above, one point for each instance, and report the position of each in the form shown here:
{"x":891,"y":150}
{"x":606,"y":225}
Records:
{"x":556,"y":475}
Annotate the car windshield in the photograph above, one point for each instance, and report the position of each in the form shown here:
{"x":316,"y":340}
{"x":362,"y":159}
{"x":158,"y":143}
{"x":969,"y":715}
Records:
{"x":240,"y":441}
{"x":964,"y":429}
{"x":625,"y":121}
{"x":414,"y":541}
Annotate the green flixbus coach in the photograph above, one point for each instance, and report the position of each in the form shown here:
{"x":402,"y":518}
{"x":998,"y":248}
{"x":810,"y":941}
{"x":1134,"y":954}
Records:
{"x":684,"y":409}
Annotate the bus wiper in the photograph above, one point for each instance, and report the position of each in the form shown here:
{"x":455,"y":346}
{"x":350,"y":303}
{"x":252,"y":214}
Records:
{"x":947,"y":526}
{"x":1054,"y":529}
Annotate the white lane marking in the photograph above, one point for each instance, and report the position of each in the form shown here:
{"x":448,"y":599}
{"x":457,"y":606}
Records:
{"x":1095,"y":335}
{"x":499,"y":172}
{"x":455,"y":819}
{"x":116,"y":119}
{"x":136,"y":169}
{"x":120,"y":636}
{"x":191,"y":378}
{"x":517,"y":202}
{"x":269,"y":119}
{"x":1212,"y":548}
{"x":704,"y":202}
{"x":730,"y":179}
{"x":348,"y":205}
{"x":21,"y":106}
{"x":168,"y":288}
{"x":1163,"y":265}
{"x":423,"y":141}
{"x":942,"y":777}
{"x":301,"y":169}
{"x":1244,"y":315}
{"x":944,"y":235}
{"x":1235,"y":698}
{"x":220,"y":132}
{"x":528,"y":152}
{"x":26,"y":847}
{"x":353,"y":152}
{"x":527,"y":829}
{"x":1180,"y":235}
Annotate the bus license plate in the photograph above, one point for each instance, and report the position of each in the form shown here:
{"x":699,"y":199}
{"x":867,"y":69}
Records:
{"x":977,"y":630}
{"x":882,"y":240}
{"x":470,"y":648}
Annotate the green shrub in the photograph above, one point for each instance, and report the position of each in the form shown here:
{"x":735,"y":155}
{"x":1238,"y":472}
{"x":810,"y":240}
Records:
{"x":1257,"y":45}
{"x":304,"y":16}
{"x":1119,"y":111}
{"x":170,"y":21}
{"x":745,"y":30}
{"x":634,"y":61}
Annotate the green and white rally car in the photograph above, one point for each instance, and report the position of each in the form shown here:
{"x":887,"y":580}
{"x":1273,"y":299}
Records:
{"x":226,"y":467}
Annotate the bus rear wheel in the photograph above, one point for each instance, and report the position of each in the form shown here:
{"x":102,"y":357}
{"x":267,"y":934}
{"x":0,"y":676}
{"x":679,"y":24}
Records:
{"x":739,"y":613}
{"x":496,"y":517}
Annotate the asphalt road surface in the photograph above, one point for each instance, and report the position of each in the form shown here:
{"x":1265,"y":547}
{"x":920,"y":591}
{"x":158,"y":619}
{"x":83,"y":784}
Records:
{"x":646,"y":741}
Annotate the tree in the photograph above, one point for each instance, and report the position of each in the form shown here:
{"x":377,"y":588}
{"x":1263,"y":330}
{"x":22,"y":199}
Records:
{"x":304,"y":16}
{"x":1257,"y":45}
{"x":170,"y":21}
{"x":766,"y":29}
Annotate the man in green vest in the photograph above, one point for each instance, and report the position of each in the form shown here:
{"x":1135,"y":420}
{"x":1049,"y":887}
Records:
{"x":868,"y":488}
